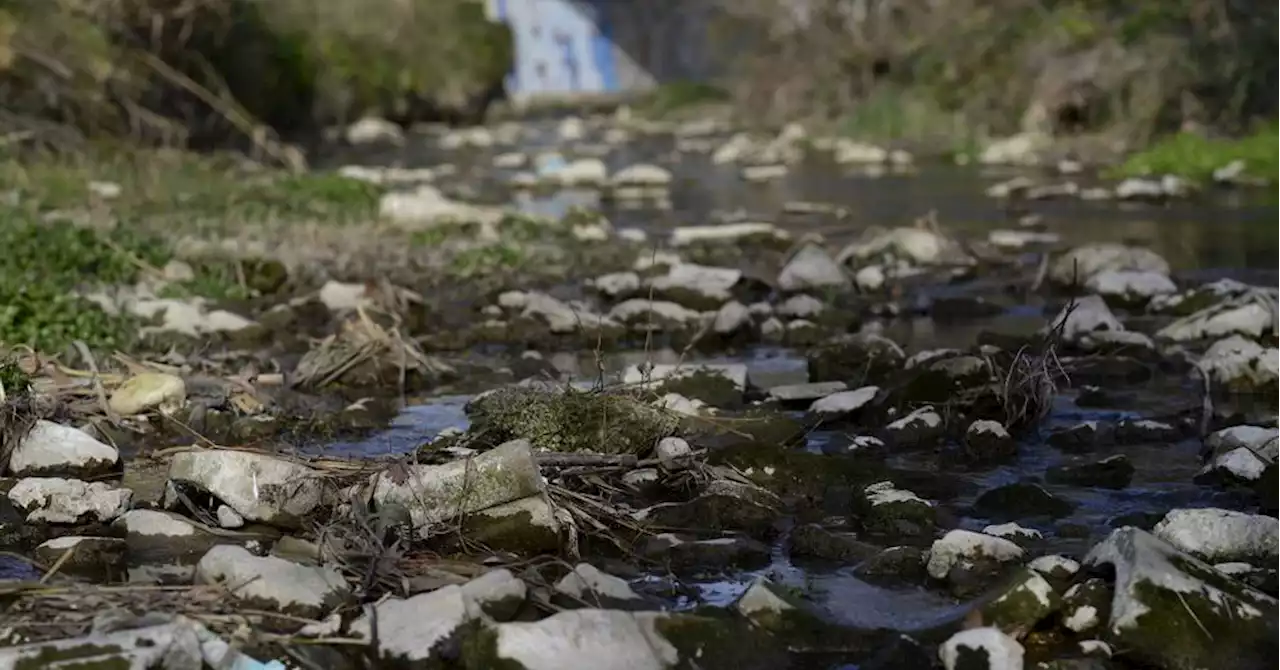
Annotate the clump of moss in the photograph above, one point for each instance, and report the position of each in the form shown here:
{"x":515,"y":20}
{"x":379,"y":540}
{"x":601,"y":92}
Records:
{"x":569,"y":420}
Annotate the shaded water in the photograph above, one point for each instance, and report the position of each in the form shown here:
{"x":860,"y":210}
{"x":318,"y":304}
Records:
{"x":1231,"y":235}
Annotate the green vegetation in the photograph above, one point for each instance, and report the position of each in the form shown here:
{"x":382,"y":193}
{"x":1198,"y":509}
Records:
{"x":676,"y":96}
{"x":985,"y":68}
{"x":1196,"y":157}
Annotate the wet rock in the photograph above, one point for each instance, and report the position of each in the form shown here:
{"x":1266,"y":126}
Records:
{"x":1086,"y":606}
{"x":942,"y":378}
{"x":963,"y":557}
{"x":765,"y":604}
{"x":497,"y":593}
{"x":642,"y":174}
{"x":731,"y":318}
{"x":895,"y":566}
{"x":1265,"y":579}
{"x":95,"y":558}
{"x":889,"y":510}
{"x":51,"y":449}
{"x":1084,"y":316}
{"x":436,"y":493}
{"x":645,"y":315}
{"x":801,"y":306}
{"x":921,"y":428}
{"x":1083,"y":436}
{"x":857,"y":445}
{"x":1026,"y":600}
{"x":68,"y":501}
{"x":1248,"y":317}
{"x":257,"y":486}
{"x":987,"y":440}
{"x":1206,"y":295}
{"x":814,"y":541}
{"x":773,"y":330}
{"x":1262,"y":441}
{"x":175,"y":645}
{"x":901,"y":652}
{"x":1084,"y":262}
{"x":1113,"y":472}
{"x":1222,"y":536}
{"x":1020,"y":500}
{"x":810,"y":392}
{"x":1057,"y":569}
{"x":812,"y":268}
{"x":426,"y":206}
{"x":567,"y":420}
{"x":1241,"y":366}
{"x":560,"y":317}
{"x":1138,"y":188}
{"x":722,"y":505}
{"x":525,"y":526}
{"x":1130,"y":287}
{"x":682,"y":405}
{"x":147,"y":391}
{"x":1241,"y":466}
{"x":716,"y":554}
{"x":855,"y":359}
{"x":618,"y":285}
{"x":870,"y":278}
{"x":165,"y":545}
{"x":579,"y":172}
{"x":916,"y":246}
{"x":981,"y":649}
{"x":1013,"y":532}
{"x":673,"y":452}
{"x":228,"y":518}
{"x":697,"y":286}
{"x":587,"y":584}
{"x":1145,"y":431}
{"x":1159,"y":590}
{"x":373,"y":130}
{"x":731,"y":233}
{"x":272,"y":583}
{"x":1116,"y":342}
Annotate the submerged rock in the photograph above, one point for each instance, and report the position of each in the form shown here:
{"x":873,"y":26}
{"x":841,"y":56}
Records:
{"x":889,"y":510}
{"x":1130,"y":287}
{"x":686,"y":555}
{"x":257,"y":486}
{"x":855,"y":359}
{"x":54,"y":450}
{"x":272,"y":583}
{"x":1172,"y":611}
{"x":921,"y":428}
{"x":1113,"y":472}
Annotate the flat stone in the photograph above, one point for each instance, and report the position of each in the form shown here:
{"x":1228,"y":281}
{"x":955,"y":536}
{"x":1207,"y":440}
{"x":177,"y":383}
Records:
{"x":1222,"y":536}
{"x":51,"y":449}
{"x":272,"y":582}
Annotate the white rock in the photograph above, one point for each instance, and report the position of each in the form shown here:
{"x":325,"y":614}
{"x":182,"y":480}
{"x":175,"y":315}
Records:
{"x":1020,"y":149}
{"x":510,"y":160}
{"x":587,"y":638}
{"x":1222,"y":536}
{"x":1255,"y":438}
{"x":257,"y":486}
{"x":914,"y":245}
{"x":1012,"y":531}
{"x":559,"y":316}
{"x":1083,"y":262}
{"x":886,"y":493}
{"x":1241,"y":364}
{"x":848,"y":151}
{"x":644,"y":313}
{"x":773,"y":329}
{"x":341,"y":296}
{"x":642,"y":174}
{"x":1131,"y":285}
{"x":711,"y":283}
{"x":1248,"y":318}
{"x":811,"y":391}
{"x":682,"y":405}
{"x":68,"y":501}
{"x":1084,"y":316}
{"x":801,"y":306}
{"x":274,"y":582}
{"x":671,"y":451}
{"x":734,"y":372}
{"x":761,"y":598}
{"x":731,"y":317}
{"x":617,"y":283}
{"x":844,"y":402}
{"x":729,"y":232}
{"x":54,"y":449}
{"x":1002,"y":652}
{"x":587,"y":583}
{"x":870,"y":278}
{"x":572,"y":128}
{"x":370,"y":130}
{"x":1053,"y":566}
{"x":963,"y":546}
{"x":1241,"y":463}
{"x":812,"y":268}
{"x":229,"y":518}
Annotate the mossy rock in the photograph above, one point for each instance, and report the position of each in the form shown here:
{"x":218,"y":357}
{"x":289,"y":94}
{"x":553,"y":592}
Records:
{"x":858,"y":360}
{"x":565,"y":419}
{"x":710,"y":387}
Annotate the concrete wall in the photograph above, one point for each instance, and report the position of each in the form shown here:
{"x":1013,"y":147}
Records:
{"x":604,"y":46}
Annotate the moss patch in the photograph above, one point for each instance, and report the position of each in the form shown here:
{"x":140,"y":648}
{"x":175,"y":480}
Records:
{"x":571,"y":420}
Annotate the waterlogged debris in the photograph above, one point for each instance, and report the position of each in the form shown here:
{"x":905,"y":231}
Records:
{"x":52,"y":449}
{"x":436,"y":493}
{"x":1159,"y":589}
{"x":259,"y":487}
{"x":364,"y":354}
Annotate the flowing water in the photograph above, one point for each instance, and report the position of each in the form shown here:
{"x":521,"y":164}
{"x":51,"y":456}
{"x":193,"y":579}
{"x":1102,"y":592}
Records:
{"x":1233,"y":235}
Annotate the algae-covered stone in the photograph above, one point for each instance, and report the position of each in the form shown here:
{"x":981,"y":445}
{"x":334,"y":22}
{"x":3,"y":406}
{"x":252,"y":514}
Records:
{"x":814,"y":541}
{"x":436,"y":493}
{"x":722,"y":505}
{"x":1086,"y":606}
{"x":1171,"y":610}
{"x":961,"y":553}
{"x":1021,"y":604}
{"x":1113,"y":472}
{"x":571,"y":420}
{"x":855,"y":359}
{"x":888,"y":510}
{"x":686,"y":555}
{"x":1020,"y":500}
{"x":524,"y":526}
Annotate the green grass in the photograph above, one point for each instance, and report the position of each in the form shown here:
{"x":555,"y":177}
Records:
{"x":893,"y":114}
{"x":1196,"y":157}
{"x":680,"y":95}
